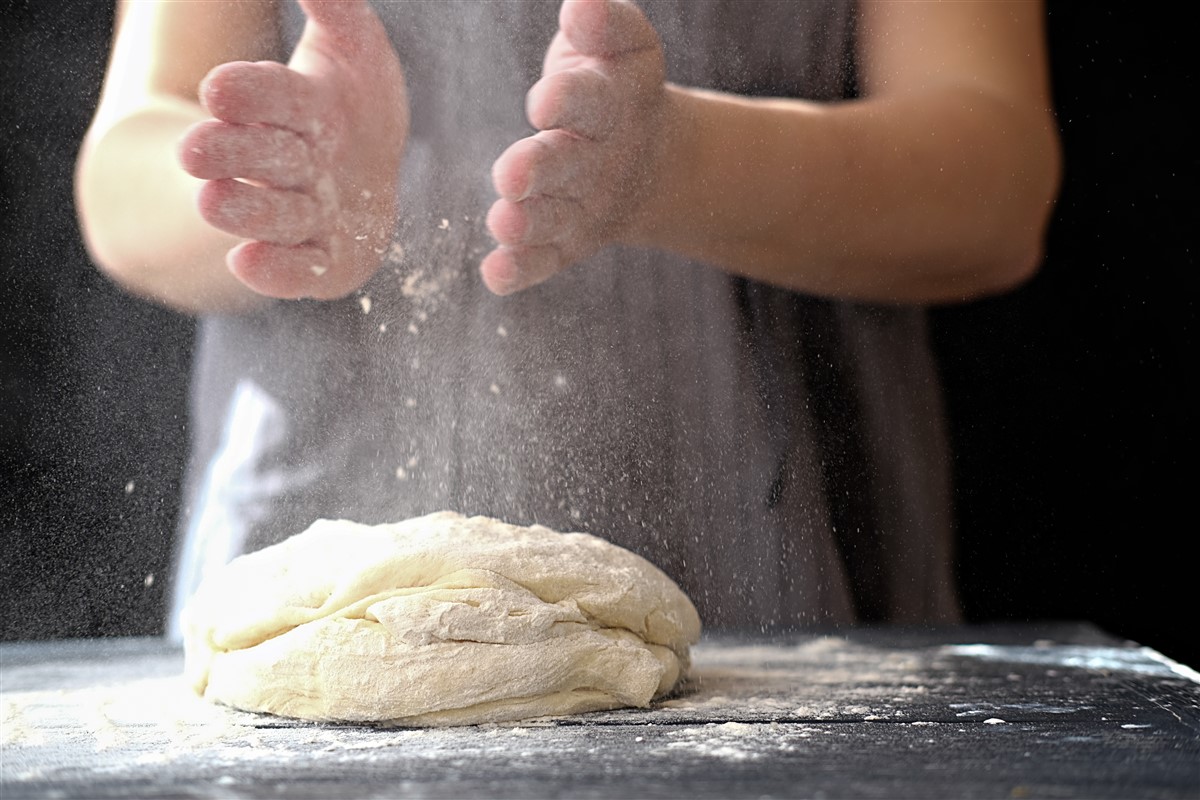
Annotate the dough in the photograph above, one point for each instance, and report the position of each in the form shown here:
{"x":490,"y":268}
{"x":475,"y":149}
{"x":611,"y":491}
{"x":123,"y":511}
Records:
{"x":437,"y":620}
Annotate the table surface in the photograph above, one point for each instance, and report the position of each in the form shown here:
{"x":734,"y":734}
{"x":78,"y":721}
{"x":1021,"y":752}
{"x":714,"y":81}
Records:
{"x":1009,"y":711}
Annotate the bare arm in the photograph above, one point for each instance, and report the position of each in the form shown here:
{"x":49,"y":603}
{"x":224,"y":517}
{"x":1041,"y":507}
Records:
{"x":136,"y":207}
{"x":936,"y":186}
{"x":297,"y":164}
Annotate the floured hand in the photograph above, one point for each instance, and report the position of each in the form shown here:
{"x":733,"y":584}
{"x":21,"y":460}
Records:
{"x":577,"y":185}
{"x":302,"y":160}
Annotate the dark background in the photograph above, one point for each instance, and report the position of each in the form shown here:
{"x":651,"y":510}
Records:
{"x":1066,"y":397}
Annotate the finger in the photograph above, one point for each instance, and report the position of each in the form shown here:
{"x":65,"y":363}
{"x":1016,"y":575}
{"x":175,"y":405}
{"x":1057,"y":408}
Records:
{"x":506,"y":221}
{"x":535,"y":222}
{"x":287,"y":273}
{"x":259,"y":212}
{"x":274,"y":156}
{"x":580,"y":100}
{"x":261,"y":92}
{"x":506,"y":270}
{"x":606,"y":28}
{"x":549,"y":162}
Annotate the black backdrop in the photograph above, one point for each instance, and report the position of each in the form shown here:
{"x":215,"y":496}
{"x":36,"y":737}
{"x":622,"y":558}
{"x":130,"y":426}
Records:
{"x":1066,"y":398}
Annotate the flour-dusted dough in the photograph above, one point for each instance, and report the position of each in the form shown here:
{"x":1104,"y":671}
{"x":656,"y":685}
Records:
{"x":437,"y":620}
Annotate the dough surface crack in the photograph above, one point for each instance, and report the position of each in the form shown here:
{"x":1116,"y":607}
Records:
{"x":437,"y":620}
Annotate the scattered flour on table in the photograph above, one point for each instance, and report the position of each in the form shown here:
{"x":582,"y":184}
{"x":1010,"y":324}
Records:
{"x":738,"y":741}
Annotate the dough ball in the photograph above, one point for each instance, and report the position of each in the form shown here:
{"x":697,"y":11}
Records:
{"x":437,"y":620}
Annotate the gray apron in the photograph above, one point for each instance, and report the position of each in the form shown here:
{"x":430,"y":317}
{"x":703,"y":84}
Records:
{"x":781,"y":456}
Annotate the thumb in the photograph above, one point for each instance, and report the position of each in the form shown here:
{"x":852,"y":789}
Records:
{"x":606,"y":28}
{"x":338,"y":22}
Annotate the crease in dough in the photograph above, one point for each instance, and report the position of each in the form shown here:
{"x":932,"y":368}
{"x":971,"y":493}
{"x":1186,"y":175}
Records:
{"x":437,"y":620}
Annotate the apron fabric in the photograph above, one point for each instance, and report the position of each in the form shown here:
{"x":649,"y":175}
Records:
{"x":782,"y":457}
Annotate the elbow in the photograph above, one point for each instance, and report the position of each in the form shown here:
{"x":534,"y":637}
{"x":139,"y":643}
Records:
{"x":101,"y":227}
{"x":991,"y":265}
{"x":1005,"y":263}
{"x":1016,"y":270}
{"x":113,"y":259}
{"x":131,"y":277}
{"x":101,"y":250}
{"x":1020,"y":251}
{"x":124,"y":206}
{"x":1016,"y":249}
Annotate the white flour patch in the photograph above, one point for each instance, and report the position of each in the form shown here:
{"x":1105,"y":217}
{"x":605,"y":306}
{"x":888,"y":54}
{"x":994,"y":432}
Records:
{"x":735,"y":741}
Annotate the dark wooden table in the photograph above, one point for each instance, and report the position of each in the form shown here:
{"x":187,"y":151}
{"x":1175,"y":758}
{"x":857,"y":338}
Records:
{"x":1012,"y":712}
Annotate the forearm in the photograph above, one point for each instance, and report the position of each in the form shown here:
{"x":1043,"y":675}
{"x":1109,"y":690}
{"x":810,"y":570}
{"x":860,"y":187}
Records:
{"x":924,"y":197}
{"x":137,"y":209}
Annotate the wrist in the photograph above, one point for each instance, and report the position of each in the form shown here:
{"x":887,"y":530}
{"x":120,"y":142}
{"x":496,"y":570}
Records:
{"x":674,"y":167}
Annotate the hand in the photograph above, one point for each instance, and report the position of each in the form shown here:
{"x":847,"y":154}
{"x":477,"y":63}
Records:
{"x":578,"y":184}
{"x":302,"y":160}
